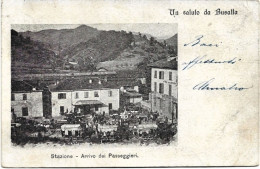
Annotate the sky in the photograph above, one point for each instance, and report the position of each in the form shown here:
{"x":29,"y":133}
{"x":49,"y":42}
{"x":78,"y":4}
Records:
{"x":159,"y":30}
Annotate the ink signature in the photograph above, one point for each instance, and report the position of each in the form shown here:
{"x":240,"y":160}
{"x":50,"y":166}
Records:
{"x":202,"y":60}
{"x":197,"y":42}
{"x":207,"y":86}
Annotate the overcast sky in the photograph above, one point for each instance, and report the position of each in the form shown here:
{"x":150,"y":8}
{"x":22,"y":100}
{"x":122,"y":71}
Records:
{"x":159,"y":30}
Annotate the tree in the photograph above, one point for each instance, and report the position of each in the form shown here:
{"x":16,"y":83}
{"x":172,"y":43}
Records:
{"x":131,"y":38}
{"x":171,"y":51}
{"x":145,"y":37}
{"x":27,"y":40}
{"x":164,"y":43}
{"x":152,"y":41}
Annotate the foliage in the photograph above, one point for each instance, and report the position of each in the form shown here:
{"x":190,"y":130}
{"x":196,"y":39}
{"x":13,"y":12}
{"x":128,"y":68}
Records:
{"x":88,"y":47}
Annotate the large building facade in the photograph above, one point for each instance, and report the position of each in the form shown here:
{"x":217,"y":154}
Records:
{"x":26,"y":101}
{"x":84,"y":96}
{"x":164,"y":88}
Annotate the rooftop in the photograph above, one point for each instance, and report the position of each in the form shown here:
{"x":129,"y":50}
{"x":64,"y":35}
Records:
{"x":167,"y":63}
{"x":88,"y":102}
{"x":23,"y":86}
{"x":132,"y":94}
{"x":88,"y":83}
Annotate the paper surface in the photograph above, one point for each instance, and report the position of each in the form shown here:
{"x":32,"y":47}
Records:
{"x":218,"y":103}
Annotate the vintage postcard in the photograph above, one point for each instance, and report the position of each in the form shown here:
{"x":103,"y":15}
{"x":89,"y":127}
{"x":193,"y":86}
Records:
{"x":130,"y":83}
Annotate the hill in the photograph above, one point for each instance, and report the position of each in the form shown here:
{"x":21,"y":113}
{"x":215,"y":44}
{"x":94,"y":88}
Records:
{"x":58,"y":40}
{"x":28,"y":53}
{"x":88,"y":48}
{"x":116,"y":50}
{"x":173,"y":41}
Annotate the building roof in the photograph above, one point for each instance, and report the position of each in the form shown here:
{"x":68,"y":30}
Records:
{"x":167,"y":63}
{"x":126,"y":83}
{"x":106,"y":128}
{"x":70,"y":127}
{"x":22,"y":86}
{"x":132,"y":94}
{"x":147,"y":126}
{"x":84,"y":83}
{"x":88,"y":102}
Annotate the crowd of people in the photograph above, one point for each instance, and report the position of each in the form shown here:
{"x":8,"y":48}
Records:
{"x":126,"y":126}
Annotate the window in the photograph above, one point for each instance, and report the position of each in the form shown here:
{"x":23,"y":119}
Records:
{"x":161,"y":88}
{"x":155,"y":87}
{"x":110,"y":93}
{"x":170,"y":90}
{"x":62,"y":96}
{"x":161,"y":103}
{"x":76,"y":133}
{"x":76,"y":95}
{"x":24,"y":96}
{"x":96,"y":107}
{"x":154,"y":101}
{"x":110,"y":106}
{"x":170,"y":75}
{"x":25,"y":111}
{"x":61,"y":109}
{"x":96,"y":94}
{"x":13,"y":97}
{"x":170,"y":108}
{"x":86,"y":94}
{"x":155,"y":74}
{"x":161,"y":75}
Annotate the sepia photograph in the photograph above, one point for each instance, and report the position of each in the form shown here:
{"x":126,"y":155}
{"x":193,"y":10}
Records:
{"x":129,"y":84}
{"x":92,"y":84}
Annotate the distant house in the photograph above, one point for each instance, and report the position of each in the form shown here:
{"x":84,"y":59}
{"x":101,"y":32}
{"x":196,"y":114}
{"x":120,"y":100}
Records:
{"x":127,"y":87}
{"x":129,"y":91}
{"x":164,"y":82}
{"x":26,"y":100}
{"x":132,"y":96}
{"x":127,"y":83}
{"x":84,"y":95}
{"x":146,"y":104}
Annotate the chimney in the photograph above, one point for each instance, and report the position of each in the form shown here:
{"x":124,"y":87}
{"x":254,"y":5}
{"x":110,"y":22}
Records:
{"x":90,"y":81}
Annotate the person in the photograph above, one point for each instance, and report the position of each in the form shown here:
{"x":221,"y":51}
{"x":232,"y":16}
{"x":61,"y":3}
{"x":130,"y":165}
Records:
{"x":166,"y":120}
{"x":39,"y":136}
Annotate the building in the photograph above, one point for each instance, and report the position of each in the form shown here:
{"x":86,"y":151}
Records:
{"x":146,"y":104}
{"x":84,"y":95}
{"x":26,"y":100}
{"x":131,"y":96}
{"x":71,"y":130}
{"x":164,"y":80}
{"x":129,"y":92}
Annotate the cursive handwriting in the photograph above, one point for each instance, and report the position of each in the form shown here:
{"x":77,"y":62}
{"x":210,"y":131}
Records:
{"x":206,"y":86}
{"x":201,"y":60}
{"x":197,"y":42}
